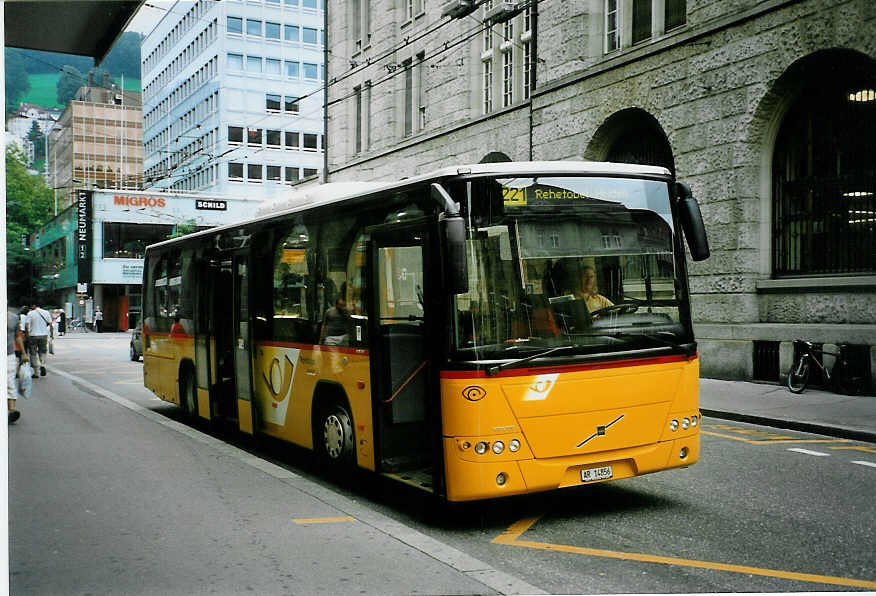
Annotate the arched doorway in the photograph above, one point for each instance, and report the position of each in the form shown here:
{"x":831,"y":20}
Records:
{"x":632,"y":136}
{"x":495,"y":157}
{"x":823,"y":169}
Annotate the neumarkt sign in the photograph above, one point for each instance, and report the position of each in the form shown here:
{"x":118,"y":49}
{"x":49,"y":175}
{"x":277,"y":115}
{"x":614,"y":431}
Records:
{"x":84,"y":206}
{"x":211,"y":205}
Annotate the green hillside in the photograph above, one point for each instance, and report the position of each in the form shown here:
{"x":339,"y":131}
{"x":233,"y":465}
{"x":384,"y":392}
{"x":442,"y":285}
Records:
{"x":43,"y":87}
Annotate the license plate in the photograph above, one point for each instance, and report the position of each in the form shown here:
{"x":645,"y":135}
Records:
{"x":591,"y":474}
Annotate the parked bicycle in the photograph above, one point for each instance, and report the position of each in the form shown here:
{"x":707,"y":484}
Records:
{"x":840,"y":376}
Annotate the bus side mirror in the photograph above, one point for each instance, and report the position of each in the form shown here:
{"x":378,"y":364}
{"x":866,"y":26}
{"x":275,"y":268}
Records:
{"x":453,"y":260}
{"x":692,"y":223}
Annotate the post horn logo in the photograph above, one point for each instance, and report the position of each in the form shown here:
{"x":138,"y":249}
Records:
{"x":474,"y":393}
{"x":279,"y":394}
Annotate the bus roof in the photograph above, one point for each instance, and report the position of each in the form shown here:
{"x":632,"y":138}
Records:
{"x":333,"y":192}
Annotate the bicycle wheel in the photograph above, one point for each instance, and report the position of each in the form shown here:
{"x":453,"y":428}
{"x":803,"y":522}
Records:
{"x":798,"y":376}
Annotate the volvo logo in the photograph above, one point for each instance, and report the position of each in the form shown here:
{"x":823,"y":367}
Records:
{"x":474,"y":393}
{"x":600,"y":432}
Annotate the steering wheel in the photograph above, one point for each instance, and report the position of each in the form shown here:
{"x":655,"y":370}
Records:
{"x":621,"y":309}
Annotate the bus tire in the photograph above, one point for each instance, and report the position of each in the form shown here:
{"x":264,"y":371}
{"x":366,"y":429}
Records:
{"x":188,"y":394}
{"x":333,"y":434}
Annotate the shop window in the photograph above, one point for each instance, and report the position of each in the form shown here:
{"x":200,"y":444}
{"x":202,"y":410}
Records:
{"x":129,"y":240}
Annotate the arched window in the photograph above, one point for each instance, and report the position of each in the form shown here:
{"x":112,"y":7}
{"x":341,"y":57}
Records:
{"x":824,"y":174}
{"x":633,"y":136}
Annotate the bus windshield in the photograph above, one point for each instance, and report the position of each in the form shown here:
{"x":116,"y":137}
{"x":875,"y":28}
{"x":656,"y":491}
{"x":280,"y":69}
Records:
{"x":583,"y":262}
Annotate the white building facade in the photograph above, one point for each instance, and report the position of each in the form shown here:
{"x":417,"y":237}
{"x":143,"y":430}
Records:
{"x":232,"y":96}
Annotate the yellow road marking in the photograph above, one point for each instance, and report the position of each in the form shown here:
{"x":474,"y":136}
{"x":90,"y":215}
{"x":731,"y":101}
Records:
{"x":511,"y":537}
{"x":324,"y":520}
{"x":863,"y":448}
{"x":776,"y":439}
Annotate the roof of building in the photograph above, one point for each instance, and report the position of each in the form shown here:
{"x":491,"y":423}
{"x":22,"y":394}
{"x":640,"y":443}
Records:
{"x":83,"y":27}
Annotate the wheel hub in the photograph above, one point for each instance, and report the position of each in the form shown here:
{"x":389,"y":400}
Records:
{"x":334,"y":436}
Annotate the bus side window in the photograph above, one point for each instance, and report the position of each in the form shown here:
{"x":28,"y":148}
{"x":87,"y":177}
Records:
{"x":333,"y":287}
{"x":355,"y":295}
{"x":293,"y":285}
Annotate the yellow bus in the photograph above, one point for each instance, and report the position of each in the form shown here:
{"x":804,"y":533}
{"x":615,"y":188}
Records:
{"x":481,"y":331}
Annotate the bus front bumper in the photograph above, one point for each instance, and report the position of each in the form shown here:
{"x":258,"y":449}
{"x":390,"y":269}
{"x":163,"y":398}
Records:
{"x":469,"y":479}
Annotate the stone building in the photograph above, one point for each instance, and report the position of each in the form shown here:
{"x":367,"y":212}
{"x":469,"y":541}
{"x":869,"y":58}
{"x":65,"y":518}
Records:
{"x":766,"y":108}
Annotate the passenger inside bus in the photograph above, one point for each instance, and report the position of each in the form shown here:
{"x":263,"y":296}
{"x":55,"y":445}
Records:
{"x":336,"y":325}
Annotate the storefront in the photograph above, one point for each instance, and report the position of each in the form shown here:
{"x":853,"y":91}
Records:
{"x":91,"y":255}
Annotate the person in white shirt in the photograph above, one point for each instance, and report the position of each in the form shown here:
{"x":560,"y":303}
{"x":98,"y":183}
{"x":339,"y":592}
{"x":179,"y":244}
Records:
{"x":39,"y":327}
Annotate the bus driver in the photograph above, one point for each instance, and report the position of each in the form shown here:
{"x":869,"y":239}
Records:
{"x":589,"y":292}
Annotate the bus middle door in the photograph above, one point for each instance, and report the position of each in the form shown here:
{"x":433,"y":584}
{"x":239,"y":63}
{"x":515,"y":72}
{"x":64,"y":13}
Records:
{"x":242,"y":342}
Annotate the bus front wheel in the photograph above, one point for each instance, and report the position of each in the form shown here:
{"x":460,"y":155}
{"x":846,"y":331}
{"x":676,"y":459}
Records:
{"x":336,"y":434}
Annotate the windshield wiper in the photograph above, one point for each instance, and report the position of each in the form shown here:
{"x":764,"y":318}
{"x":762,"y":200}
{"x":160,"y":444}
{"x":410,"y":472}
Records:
{"x":492,"y":370}
{"x":652,"y":336}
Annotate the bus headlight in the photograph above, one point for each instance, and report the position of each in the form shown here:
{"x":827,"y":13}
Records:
{"x":514,"y":445}
{"x":481,"y":447}
{"x":685,"y":423}
{"x":673,"y":426}
{"x":693,"y":421}
{"x":498,"y":447}
{"x":501,"y":479}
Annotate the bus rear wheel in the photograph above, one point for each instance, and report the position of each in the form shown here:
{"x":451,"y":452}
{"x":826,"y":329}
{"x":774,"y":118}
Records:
{"x":188,"y":397}
{"x":336,"y":435}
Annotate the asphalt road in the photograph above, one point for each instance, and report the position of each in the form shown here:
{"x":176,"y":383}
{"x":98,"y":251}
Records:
{"x":765,"y":510}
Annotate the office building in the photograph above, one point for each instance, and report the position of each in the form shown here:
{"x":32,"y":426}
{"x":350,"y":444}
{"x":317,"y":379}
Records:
{"x":96,"y":143}
{"x":232,"y":96}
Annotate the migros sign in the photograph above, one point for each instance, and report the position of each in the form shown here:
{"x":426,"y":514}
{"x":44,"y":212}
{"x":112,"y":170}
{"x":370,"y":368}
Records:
{"x":135,"y":201}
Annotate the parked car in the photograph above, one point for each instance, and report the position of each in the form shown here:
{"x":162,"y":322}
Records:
{"x":136,"y":350}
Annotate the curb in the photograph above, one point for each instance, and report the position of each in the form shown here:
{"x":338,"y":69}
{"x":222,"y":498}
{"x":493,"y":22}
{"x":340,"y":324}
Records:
{"x":819,"y":429}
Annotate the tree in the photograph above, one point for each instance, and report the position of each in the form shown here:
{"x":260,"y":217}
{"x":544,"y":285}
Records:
{"x":181,"y":229}
{"x":36,"y":136}
{"x":124,"y":57}
{"x":29,"y":204}
{"x":100,"y":77}
{"x":68,"y":84}
{"x":17,"y":83}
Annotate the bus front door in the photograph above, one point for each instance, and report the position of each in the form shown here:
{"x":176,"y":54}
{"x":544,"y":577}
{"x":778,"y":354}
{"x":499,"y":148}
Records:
{"x":400,"y":355}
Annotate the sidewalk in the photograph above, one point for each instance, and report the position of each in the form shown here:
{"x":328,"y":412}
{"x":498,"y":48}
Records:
{"x":815,"y":411}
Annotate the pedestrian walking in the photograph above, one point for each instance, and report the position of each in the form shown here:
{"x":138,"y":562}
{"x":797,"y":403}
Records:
{"x":39,"y":327}
{"x":62,"y":323}
{"x":14,"y":343}
{"x":98,"y":319}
